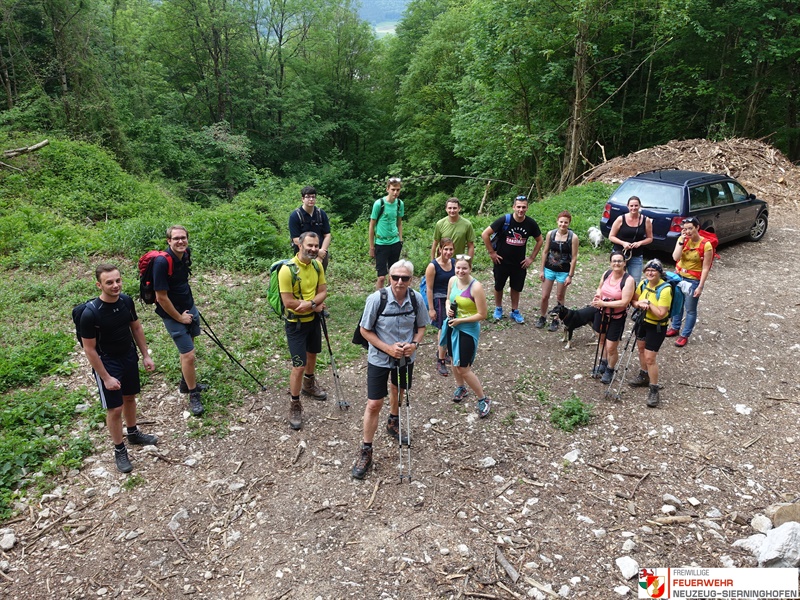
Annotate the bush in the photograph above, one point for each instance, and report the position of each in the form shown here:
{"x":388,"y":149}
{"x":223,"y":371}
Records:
{"x":570,"y":414}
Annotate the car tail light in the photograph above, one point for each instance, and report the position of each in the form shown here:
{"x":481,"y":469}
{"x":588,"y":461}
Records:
{"x":607,"y":211}
{"x":676,"y":224}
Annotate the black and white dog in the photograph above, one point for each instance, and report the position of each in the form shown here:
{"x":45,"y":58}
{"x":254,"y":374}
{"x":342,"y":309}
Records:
{"x":572,"y":319}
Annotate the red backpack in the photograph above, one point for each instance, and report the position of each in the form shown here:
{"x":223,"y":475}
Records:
{"x":146,"y":292}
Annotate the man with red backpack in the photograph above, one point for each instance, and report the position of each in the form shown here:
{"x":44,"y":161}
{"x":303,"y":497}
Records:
{"x":175,"y":306}
{"x":693,"y":256}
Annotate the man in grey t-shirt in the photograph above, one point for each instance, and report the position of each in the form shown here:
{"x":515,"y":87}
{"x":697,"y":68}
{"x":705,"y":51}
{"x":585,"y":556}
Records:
{"x":393,"y":338}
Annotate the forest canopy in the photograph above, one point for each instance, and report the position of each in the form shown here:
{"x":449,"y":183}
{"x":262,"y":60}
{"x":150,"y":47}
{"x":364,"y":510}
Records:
{"x":532,"y":92}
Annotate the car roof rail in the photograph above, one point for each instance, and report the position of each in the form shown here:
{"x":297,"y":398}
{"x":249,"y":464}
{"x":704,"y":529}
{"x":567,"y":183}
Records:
{"x":657,"y":170}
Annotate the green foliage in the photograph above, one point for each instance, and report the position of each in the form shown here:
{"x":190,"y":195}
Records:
{"x":39,"y":354}
{"x":571,"y":413}
{"x":34,"y":438}
{"x":133,"y":481}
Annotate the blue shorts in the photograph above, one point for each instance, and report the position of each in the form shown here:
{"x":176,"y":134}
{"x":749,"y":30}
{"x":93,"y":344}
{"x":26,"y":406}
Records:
{"x":124,"y":368}
{"x":183,"y":335}
{"x":559,"y":276}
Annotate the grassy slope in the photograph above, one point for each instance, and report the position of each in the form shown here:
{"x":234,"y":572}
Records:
{"x":73,"y":207}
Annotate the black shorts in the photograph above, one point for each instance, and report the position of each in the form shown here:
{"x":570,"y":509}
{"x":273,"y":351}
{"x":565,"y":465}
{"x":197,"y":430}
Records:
{"x":377,"y":388}
{"x":386,"y":256}
{"x":303,"y":338}
{"x":126,"y":369}
{"x":466,"y":348}
{"x":652,"y":334}
{"x":504,"y":272}
{"x":614,"y":328}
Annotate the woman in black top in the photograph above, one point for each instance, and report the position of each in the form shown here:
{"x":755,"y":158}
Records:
{"x":629,"y":233}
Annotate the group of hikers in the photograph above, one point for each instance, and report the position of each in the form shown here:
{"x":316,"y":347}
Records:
{"x":395,"y":317}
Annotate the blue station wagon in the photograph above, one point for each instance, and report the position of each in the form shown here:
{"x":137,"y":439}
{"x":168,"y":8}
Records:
{"x":719,"y":202}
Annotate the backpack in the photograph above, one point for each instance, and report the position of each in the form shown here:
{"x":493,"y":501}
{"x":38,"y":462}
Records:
{"x":146,"y":292}
{"x":622,"y":281}
{"x":274,"y":291}
{"x":423,"y":291}
{"x":495,"y":238}
{"x":316,"y":220}
{"x":678,"y":298}
{"x":77,"y":313}
{"x":555,"y":259}
{"x":383,"y":206}
{"x":359,"y":340}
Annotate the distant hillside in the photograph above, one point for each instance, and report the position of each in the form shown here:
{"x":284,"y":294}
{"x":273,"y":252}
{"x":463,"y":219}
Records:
{"x":380,"y":11}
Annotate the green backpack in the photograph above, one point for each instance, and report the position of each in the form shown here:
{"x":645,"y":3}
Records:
{"x":274,"y":292}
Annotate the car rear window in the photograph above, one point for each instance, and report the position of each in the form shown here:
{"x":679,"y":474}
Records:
{"x":653,"y":196}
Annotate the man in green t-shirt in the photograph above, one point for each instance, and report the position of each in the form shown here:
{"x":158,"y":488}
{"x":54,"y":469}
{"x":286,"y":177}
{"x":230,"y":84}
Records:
{"x":455,"y":227}
{"x":303,"y":293}
{"x":386,"y":230}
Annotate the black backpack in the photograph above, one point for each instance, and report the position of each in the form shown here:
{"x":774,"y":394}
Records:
{"x":359,"y":340}
{"x":316,"y":221}
{"x":77,"y":312}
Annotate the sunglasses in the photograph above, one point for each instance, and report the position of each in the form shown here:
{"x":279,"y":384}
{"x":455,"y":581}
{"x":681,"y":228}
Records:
{"x":465,"y":257}
{"x":403,"y":278}
{"x":520,"y":198}
{"x":395,"y":180}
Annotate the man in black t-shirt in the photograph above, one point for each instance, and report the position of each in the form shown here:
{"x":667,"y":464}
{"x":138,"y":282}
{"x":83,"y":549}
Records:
{"x":175,"y":306}
{"x":508,"y":254}
{"x":310,"y":218}
{"x":109,"y":328}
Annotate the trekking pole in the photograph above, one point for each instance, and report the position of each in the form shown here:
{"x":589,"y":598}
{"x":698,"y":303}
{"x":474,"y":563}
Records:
{"x":343,"y":404}
{"x":210,"y":333}
{"x":604,"y":322}
{"x":407,"y":445}
{"x":636,"y":318}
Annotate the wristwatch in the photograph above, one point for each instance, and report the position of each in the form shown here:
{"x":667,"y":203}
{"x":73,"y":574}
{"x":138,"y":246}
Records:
{"x":416,"y":344}
{"x":313,"y":305}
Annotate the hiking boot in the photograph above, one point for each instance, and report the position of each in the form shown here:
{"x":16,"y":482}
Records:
{"x":672,"y":332}
{"x":554,"y":325}
{"x":295,"y":415}
{"x":310,"y":388}
{"x":142,"y":439}
{"x":681,"y":341}
{"x":498,"y":313}
{"x":362,"y":464}
{"x":641,"y":380}
{"x":448,"y":360}
{"x":517,"y":317}
{"x":540,"y":322}
{"x":196,"y":404}
{"x":608,"y":375}
{"x":484,"y":406}
{"x":599,"y":369}
{"x":441,"y":368}
{"x":393,"y":429}
{"x":652,"y":396}
{"x":184,"y":389}
{"x":460,"y":393}
{"x":123,"y":462}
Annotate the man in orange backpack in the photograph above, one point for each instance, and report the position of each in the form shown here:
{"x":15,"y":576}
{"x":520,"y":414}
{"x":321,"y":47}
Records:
{"x":693,"y":256}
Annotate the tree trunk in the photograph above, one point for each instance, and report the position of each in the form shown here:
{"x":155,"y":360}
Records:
{"x":576,"y":135}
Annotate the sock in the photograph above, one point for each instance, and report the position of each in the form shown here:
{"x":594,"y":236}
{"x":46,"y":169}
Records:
{"x":132,"y":430}
{"x":307,"y":376}
{"x":367,"y":445}
{"x":295,"y":397}
{"x":653,"y":387}
{"x":119,"y":447}
{"x":394,"y":417}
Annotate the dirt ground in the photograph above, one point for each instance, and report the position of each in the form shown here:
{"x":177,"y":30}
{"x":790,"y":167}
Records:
{"x":266,"y":513}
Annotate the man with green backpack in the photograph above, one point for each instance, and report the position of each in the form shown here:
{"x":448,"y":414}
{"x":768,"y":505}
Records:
{"x":303,"y":290}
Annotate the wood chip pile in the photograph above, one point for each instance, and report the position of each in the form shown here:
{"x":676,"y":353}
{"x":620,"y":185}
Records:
{"x":761,"y":168}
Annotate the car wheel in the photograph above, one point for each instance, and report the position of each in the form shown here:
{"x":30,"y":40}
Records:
{"x":758,"y":229}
